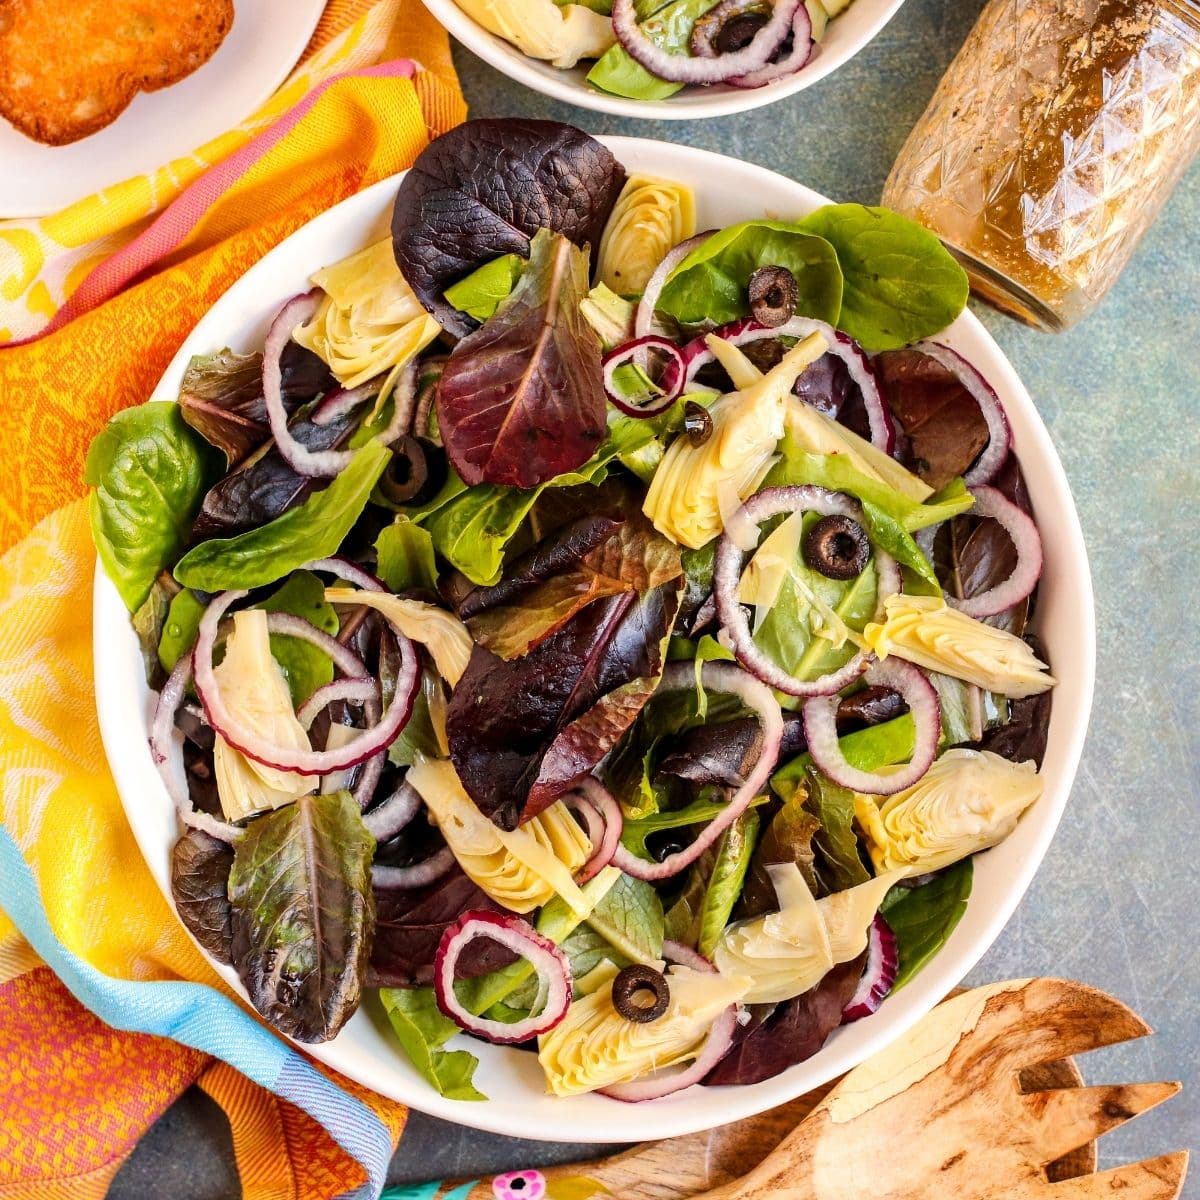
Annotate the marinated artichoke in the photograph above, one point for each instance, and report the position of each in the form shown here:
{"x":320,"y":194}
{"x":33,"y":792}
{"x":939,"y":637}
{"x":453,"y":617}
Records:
{"x":967,"y":801}
{"x":541,"y":29}
{"x":650,"y":217}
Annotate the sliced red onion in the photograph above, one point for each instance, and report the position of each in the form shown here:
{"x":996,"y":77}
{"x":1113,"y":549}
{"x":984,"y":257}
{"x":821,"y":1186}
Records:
{"x":357,"y":689}
{"x":727,"y":574}
{"x":386,"y":820}
{"x":672,"y":375}
{"x":341,"y":401}
{"x":313,"y":463}
{"x":728,"y":678}
{"x":883,"y":961}
{"x":603,"y":821}
{"x":643,"y":317}
{"x":801,"y":52}
{"x":162,"y":743}
{"x":420,"y":875}
{"x":370,"y":773}
{"x":681,"y":68}
{"x":351,"y":572}
{"x":431,"y":369}
{"x":291,"y":625}
{"x":550,"y":965}
{"x":1026,"y":540}
{"x":992,"y":457}
{"x":820,"y":727}
{"x":287,"y":758}
{"x":404,"y":403}
{"x":675,"y":1079}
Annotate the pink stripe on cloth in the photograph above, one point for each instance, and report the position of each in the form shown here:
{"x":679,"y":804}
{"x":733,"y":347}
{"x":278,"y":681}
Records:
{"x":179,"y":218}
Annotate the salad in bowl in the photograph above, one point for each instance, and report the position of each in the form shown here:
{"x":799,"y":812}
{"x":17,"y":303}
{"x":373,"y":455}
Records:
{"x":581,"y":630}
{"x":665,"y":58}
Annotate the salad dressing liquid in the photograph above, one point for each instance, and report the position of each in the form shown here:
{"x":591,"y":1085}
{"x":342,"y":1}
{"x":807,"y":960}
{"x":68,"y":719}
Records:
{"x":1050,"y":145}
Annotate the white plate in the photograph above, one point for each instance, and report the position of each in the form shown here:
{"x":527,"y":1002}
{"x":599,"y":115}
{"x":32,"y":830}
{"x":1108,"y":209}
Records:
{"x":846,"y":35}
{"x":263,"y":45}
{"x":511,"y":1078}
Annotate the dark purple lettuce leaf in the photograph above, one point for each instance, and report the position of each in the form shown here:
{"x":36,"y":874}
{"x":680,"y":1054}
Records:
{"x":868,"y":706}
{"x":409,"y":923}
{"x":484,"y":189}
{"x":522,"y":732}
{"x":265,"y":486}
{"x":566,"y":573}
{"x":778,"y":1036}
{"x":1024,"y":735}
{"x":943,"y":425}
{"x":522,"y":399}
{"x":221,"y":396}
{"x":200,"y":885}
{"x":303,"y":914}
{"x":721,"y":755}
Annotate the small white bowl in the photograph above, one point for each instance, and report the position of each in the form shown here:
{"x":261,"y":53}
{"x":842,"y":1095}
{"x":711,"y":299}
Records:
{"x":727,"y":191}
{"x":846,"y":35}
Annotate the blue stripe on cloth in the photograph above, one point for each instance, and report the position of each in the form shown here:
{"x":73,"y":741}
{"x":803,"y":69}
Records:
{"x":201,"y":1017}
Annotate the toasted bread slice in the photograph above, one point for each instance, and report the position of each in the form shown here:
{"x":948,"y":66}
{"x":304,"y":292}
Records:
{"x":71,"y":67}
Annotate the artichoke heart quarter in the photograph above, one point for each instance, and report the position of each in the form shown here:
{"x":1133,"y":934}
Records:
{"x":594,"y":1046}
{"x":967,"y":801}
{"x":651,"y":217}
{"x":521,"y":869}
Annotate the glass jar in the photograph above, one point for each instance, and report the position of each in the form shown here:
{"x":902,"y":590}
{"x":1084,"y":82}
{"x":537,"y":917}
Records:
{"x":1052,"y":143}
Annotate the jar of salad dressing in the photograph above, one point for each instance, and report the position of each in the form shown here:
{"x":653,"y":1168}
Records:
{"x":1052,"y":143}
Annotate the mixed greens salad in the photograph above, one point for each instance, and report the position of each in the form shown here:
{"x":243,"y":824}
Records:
{"x":624,"y":649}
{"x":651,"y":49}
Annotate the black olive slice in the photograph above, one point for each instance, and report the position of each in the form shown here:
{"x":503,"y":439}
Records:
{"x":697,"y":424}
{"x":416,"y":472}
{"x":640,"y":994}
{"x":837,"y":547}
{"x":773,"y":293}
{"x":730,"y":26}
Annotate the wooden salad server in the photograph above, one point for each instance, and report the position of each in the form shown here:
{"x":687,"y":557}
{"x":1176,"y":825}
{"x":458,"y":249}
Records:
{"x":978,"y":1099}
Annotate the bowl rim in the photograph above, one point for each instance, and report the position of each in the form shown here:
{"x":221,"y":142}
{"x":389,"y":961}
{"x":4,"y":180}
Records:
{"x":565,"y":83}
{"x":592,"y":1118}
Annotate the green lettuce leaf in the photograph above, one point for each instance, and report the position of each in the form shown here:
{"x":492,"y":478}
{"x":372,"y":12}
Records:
{"x":150,"y":473}
{"x":630,"y":917}
{"x":710,"y":284}
{"x":901,"y":283}
{"x":314,"y":530}
{"x":405,"y":556}
{"x":423,"y":1030}
{"x":840,"y":865}
{"x":479,"y":294}
{"x":923,"y":918}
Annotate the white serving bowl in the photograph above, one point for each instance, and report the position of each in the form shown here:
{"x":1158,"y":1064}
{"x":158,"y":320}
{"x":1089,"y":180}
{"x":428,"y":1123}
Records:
{"x":846,"y":35}
{"x":727,"y":191}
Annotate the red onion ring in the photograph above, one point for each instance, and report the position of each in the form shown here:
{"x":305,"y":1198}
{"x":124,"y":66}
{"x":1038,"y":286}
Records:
{"x":312,"y":463}
{"x":696,"y":355}
{"x":879,"y":974}
{"x":727,"y":574}
{"x":286,"y":758}
{"x":602,"y":816}
{"x":420,"y":875}
{"x":354,"y":689}
{"x":386,"y":820}
{"x":351,"y":572}
{"x":820,"y":728}
{"x":992,"y":457}
{"x":548,"y":961}
{"x":162,"y":744}
{"x":1020,"y":526}
{"x":404,"y":403}
{"x":721,"y":677}
{"x":342,"y":401}
{"x":620,"y":355}
{"x":643,"y":317}
{"x":675,"y":1079}
{"x":681,"y":68}
{"x":801,"y":52}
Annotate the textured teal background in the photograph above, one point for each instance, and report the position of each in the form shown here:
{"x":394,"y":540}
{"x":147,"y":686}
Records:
{"x":1115,"y":903}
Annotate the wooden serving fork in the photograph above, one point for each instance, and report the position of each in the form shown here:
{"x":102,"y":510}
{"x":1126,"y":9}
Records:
{"x":978,"y":1100}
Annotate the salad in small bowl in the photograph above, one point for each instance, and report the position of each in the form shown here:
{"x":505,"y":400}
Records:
{"x":665,"y":59}
{"x":583,"y":612}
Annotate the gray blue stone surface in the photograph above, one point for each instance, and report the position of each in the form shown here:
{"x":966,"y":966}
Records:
{"x":1115,"y":903}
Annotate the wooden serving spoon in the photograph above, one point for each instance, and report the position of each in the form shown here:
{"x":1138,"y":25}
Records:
{"x":979,"y":1099}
